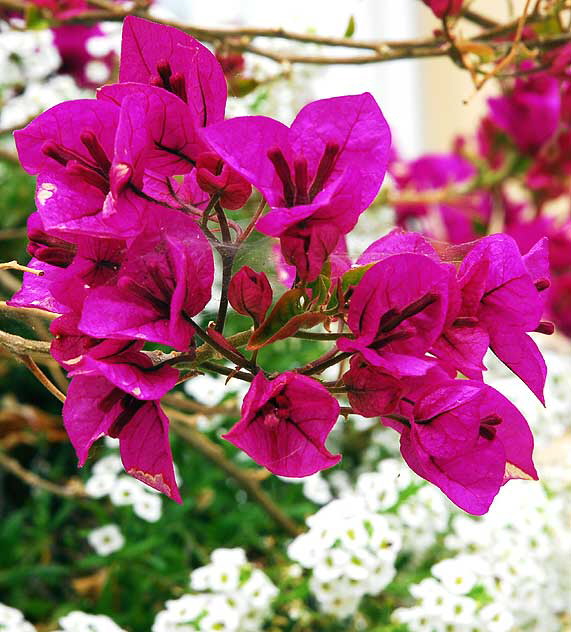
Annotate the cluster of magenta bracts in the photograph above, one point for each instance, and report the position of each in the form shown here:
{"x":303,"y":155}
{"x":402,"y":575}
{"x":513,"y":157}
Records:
{"x":132,"y":194}
{"x":524,"y":139}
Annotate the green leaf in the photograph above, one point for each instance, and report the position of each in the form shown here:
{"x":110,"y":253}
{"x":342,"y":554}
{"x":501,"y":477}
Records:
{"x":354,"y":275}
{"x":320,"y":290}
{"x":350,"y":30}
{"x":288,"y":316}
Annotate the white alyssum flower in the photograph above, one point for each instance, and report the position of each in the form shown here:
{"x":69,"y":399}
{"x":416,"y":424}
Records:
{"x":78,"y":621}
{"x":106,"y":540}
{"x":12,"y":620}
{"x":149,"y":507}
{"x":206,"y":389}
{"x":231,"y":596}
{"x":126,"y":491}
{"x":350,"y":551}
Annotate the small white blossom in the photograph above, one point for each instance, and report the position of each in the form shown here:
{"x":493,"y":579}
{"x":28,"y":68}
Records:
{"x":78,"y":621}
{"x":12,"y":620}
{"x":106,"y":540}
{"x":100,"y":485}
{"x":125,"y":492}
{"x":148,"y":507}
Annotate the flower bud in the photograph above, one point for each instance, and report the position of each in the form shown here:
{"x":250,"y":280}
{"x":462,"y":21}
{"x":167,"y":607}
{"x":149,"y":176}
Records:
{"x":250,"y":293}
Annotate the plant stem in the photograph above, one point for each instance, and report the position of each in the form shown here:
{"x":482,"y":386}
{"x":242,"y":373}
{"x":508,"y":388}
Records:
{"x":42,"y":378}
{"x":249,"y":483}
{"x":322,"y":363}
{"x":224,"y":370}
{"x":225,"y":353}
{"x":227,"y":253}
{"x":73,"y":490}
{"x":250,"y":228}
{"x":310,"y":335}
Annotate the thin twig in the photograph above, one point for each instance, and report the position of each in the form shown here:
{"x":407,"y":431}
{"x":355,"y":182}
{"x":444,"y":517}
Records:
{"x":72,"y":489}
{"x":227,"y":252}
{"x":249,"y":483}
{"x":12,"y":310}
{"x":18,"y":346}
{"x":178,"y":400}
{"x":42,"y":378}
{"x":11,"y":157}
{"x":13,"y":233}
{"x":225,"y":353}
{"x":14,"y":265}
{"x":250,"y":227}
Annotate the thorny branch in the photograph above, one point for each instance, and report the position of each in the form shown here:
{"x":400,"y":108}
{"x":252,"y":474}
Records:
{"x":245,"y":39}
{"x":72,"y":489}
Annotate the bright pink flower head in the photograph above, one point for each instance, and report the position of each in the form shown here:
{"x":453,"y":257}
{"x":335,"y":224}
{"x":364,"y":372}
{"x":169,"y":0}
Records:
{"x":168,"y":58}
{"x":71,"y":41}
{"x":455,"y":221}
{"x":442,"y":8}
{"x":530,"y":113}
{"x":467,"y":439}
{"x":504,"y":292}
{"x":285,"y":423}
{"x":397,"y":311}
{"x":317,"y":176}
{"x":95,"y":407}
{"x":250,"y":293}
{"x":372,"y":392}
{"x":166,"y":277}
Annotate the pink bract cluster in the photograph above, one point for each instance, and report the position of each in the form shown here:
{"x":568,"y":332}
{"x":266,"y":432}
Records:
{"x":522,"y":144}
{"x":132,"y":193}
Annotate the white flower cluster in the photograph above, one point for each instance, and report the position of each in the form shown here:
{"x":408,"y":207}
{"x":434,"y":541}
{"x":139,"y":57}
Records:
{"x":232,"y":596}
{"x":28,"y":85}
{"x":351,"y":551}
{"x":107,"y":479}
{"x":106,"y":540}
{"x":516,"y":557}
{"x":78,"y":621}
{"x":26,"y":55}
{"x":12,"y":620}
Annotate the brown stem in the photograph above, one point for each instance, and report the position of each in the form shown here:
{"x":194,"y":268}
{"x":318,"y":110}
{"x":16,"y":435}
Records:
{"x":310,"y":335}
{"x":14,"y":265}
{"x":227,"y":253}
{"x":249,"y":483}
{"x":225,"y":353}
{"x":224,"y":370}
{"x":72,"y":489}
{"x":178,"y":400}
{"x":250,"y":227}
{"x":42,"y":378}
{"x":13,"y":233}
{"x":321,"y":364}
{"x":18,"y":346}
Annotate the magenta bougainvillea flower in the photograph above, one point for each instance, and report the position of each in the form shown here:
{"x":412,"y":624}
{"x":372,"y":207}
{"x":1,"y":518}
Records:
{"x":397,"y":311}
{"x":467,"y":439}
{"x":456,"y":221}
{"x":504,"y":293}
{"x":372,"y":392}
{"x":71,"y":40}
{"x":71,"y":158}
{"x":530,"y":113}
{"x":284,"y":424}
{"x":442,"y":8}
{"x":250,"y":293}
{"x":62,"y":9}
{"x":168,"y":58}
{"x":166,"y":277}
{"x":317,"y":175}
{"x":95,"y":407}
